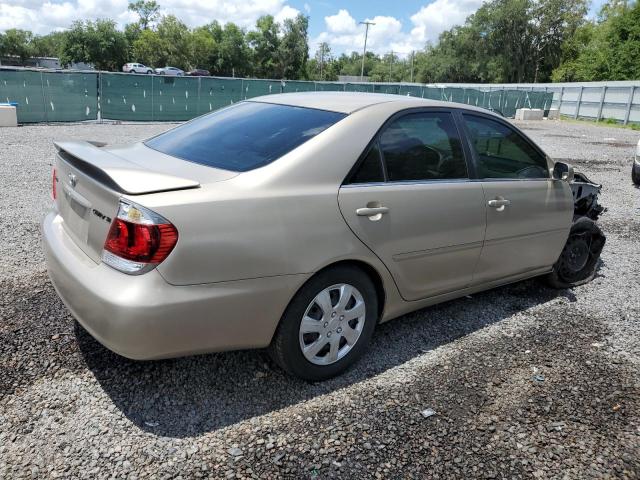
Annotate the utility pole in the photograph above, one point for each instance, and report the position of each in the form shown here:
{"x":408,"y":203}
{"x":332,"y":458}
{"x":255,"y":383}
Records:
{"x":321,"y":60}
{"x":364,"y":51}
{"x":412,"y":54}
{"x":390,"y":65}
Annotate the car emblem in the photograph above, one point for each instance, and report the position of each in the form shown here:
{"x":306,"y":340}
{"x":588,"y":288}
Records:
{"x":73,"y":180}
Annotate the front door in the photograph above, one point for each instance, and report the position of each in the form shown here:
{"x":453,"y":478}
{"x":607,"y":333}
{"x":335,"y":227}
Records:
{"x":528,"y":213}
{"x":411,"y":202}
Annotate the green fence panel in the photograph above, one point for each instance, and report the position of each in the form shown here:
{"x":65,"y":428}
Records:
{"x":358,"y":87}
{"x":386,"y":88}
{"x":432,"y":93}
{"x":50,"y":97}
{"x":329,"y":87}
{"x":24,"y":88}
{"x":219,"y":92}
{"x":176,"y":98}
{"x":410,"y":90}
{"x":70,"y":97}
{"x":254,"y":87}
{"x":127,"y":97}
{"x":290,"y":86}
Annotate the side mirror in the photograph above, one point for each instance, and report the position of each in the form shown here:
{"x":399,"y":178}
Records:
{"x":563,"y":171}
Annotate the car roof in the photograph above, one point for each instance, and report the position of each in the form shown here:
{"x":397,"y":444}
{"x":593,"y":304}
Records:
{"x":349,"y":102}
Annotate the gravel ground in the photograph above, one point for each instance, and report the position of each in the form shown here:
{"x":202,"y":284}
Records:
{"x":526,"y":382}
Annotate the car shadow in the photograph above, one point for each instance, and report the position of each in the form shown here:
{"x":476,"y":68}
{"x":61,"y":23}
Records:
{"x":194,"y":395}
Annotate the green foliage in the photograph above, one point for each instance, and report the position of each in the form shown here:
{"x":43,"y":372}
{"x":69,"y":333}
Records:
{"x":18,"y":43}
{"x":608,"y":49}
{"x":504,"y":41}
{"x":148,"y":12}
{"x":98,"y":43}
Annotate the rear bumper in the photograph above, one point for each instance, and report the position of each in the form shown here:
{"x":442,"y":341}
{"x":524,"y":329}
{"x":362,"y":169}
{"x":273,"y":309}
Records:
{"x":144,"y":317}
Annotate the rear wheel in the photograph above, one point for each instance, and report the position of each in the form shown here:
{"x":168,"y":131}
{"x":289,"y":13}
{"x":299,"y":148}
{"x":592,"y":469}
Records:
{"x":579,"y":258}
{"x":328,"y":324}
{"x":132,"y":71}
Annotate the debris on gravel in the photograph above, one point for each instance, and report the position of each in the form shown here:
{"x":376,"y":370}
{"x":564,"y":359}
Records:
{"x":527,"y":382}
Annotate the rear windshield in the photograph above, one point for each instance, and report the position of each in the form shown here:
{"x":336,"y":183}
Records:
{"x":244,"y":136}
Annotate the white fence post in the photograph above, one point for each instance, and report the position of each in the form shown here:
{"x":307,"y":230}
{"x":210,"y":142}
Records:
{"x":575,"y":115}
{"x":632,"y":91}
{"x":604,"y":92}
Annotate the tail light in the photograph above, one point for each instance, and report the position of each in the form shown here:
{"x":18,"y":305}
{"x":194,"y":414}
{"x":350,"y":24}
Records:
{"x":138,"y":240}
{"x":54,"y":180}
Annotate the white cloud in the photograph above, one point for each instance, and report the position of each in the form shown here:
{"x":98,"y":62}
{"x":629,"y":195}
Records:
{"x":341,"y":22}
{"x":286,"y":12}
{"x":45,"y":16}
{"x":344,"y":34}
{"x":433,"y":19}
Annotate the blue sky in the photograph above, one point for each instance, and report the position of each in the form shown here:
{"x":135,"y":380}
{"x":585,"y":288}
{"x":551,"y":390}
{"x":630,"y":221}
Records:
{"x":401,"y":26}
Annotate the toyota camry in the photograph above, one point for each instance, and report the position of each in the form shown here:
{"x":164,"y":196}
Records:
{"x":299,"y":222}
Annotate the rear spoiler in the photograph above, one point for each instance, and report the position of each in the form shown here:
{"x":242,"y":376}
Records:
{"x":117,"y":173}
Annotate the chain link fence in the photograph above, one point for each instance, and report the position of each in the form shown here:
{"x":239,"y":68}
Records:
{"x":43,"y":96}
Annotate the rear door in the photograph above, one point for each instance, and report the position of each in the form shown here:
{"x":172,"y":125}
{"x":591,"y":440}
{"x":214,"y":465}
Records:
{"x":410,"y":200}
{"x":528,"y":213}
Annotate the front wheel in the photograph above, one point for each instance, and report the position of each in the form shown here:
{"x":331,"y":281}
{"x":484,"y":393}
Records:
{"x":328,"y":324}
{"x":579,"y":258}
{"x":635,"y":173}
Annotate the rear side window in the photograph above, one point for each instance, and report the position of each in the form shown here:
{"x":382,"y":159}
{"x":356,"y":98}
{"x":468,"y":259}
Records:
{"x":423,"y":146}
{"x":244,"y":136}
{"x":503,"y":152}
{"x":370,"y":170}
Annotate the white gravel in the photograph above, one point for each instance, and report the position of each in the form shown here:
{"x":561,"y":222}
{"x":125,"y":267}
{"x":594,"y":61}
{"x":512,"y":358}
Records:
{"x":526,"y":382}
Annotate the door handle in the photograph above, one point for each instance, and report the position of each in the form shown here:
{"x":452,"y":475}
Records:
{"x":499,"y":203}
{"x":371,"y":211}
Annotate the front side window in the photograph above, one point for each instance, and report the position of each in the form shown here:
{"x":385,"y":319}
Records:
{"x":423,"y":146}
{"x":503,"y":152}
{"x":244,"y":136}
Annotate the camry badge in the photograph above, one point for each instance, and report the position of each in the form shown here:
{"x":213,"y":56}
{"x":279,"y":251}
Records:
{"x":73,"y":180}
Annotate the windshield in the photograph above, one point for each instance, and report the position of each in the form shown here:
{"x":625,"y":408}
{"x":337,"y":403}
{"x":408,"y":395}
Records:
{"x":245,"y":136}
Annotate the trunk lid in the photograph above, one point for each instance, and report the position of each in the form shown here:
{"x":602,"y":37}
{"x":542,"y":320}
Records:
{"x":91,"y":180}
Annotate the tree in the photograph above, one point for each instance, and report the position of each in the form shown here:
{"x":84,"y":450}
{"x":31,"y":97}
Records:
{"x":265,"y":42}
{"x":17,"y":43}
{"x":148,"y":12}
{"x":504,"y":41}
{"x":149,"y":49}
{"x":48,"y":45}
{"x":203,"y":47}
{"x":175,"y":42}
{"x":98,"y":43}
{"x":607,"y":49}
{"x":293,"y":51}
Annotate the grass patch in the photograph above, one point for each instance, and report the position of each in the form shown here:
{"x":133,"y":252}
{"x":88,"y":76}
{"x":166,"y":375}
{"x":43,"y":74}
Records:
{"x":607,"y":122}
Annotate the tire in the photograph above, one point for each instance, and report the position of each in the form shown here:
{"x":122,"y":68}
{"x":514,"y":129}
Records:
{"x":579,"y":258}
{"x":132,"y":71}
{"x":149,"y":72}
{"x":635,"y":174}
{"x":286,"y":346}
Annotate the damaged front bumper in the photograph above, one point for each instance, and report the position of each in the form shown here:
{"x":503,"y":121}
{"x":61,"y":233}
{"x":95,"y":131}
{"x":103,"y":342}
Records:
{"x":585,"y":197}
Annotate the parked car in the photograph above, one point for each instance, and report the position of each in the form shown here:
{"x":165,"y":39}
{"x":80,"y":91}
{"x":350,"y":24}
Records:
{"x":170,"y":71}
{"x":300,"y":221}
{"x":198,"y":72}
{"x":136,"y":68}
{"x":635,"y":169}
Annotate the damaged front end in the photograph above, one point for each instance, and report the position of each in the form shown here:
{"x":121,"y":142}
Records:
{"x":585,"y":197}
